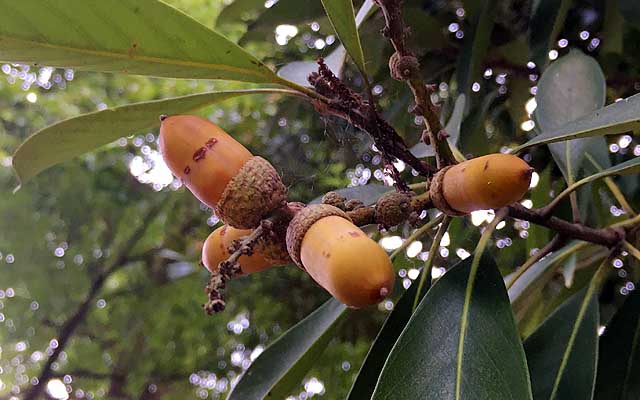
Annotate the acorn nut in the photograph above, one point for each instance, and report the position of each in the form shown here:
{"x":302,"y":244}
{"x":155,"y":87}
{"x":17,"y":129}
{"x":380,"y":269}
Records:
{"x":486,"y":182}
{"x":220,"y":171}
{"x":339,"y":256}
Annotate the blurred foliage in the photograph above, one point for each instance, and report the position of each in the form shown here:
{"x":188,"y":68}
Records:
{"x":145,"y":335}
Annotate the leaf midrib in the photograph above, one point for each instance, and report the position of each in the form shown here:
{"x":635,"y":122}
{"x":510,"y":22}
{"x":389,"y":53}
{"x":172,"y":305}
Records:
{"x":158,"y":60}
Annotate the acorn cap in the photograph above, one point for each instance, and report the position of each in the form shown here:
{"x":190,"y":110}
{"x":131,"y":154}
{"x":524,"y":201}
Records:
{"x":437,"y":194}
{"x":393,"y":208}
{"x":301,"y":223}
{"x":254,"y":192}
{"x":273,"y":247}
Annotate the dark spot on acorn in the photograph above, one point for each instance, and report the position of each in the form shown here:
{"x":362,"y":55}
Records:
{"x":211,"y":142}
{"x":187,"y":170}
{"x":486,"y":165}
{"x":163,"y":117}
{"x":200,"y":154}
{"x":354,"y":234}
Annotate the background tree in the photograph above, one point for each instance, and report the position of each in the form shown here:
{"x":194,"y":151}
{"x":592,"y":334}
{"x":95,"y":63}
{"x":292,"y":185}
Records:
{"x":99,"y":281}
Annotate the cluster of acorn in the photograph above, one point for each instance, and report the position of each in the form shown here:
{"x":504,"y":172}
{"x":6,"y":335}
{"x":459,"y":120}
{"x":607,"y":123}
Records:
{"x":245,"y":190}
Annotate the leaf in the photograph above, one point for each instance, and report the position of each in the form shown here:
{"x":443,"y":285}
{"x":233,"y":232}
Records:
{"x":299,"y":71}
{"x":421,"y":150}
{"x":562,"y":352}
{"x":341,"y":15}
{"x":368,"y":194}
{"x":144,"y":37}
{"x":572,"y":87}
{"x":542,"y":34}
{"x":476,"y":43}
{"x":281,"y":367}
{"x":621,"y":116}
{"x":531,"y":280}
{"x":492,"y":363}
{"x":627,"y":167}
{"x":72,"y":137}
{"x":619,"y":359}
{"x":370,"y":371}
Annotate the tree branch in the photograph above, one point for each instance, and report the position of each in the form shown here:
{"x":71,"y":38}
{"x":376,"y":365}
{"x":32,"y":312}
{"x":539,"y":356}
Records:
{"x":404,"y":66}
{"x":69,"y":327}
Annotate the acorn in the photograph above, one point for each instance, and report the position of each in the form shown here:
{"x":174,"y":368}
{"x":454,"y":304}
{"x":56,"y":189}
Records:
{"x":219,"y":171}
{"x":486,"y":182}
{"x":222,"y":242}
{"x":339,"y":256}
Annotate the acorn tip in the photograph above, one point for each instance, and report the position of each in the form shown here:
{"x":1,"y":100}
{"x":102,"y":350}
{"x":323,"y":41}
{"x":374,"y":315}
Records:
{"x":163,"y":117}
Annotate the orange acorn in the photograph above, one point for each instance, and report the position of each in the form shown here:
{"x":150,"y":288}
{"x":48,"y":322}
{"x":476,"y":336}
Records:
{"x":339,"y":256}
{"x":220,"y":171}
{"x":486,"y":182}
{"x":217,"y":249}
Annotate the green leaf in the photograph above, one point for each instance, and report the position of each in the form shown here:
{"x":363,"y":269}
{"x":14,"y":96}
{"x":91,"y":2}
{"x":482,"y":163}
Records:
{"x":144,"y":37}
{"x":421,"y":150}
{"x":562,"y":352}
{"x":370,"y":371}
{"x":368,"y":194}
{"x":571,"y":88}
{"x":619,"y":355}
{"x":299,"y":71}
{"x":341,"y":15}
{"x":72,"y":137}
{"x":532,"y":279}
{"x":281,"y":367}
{"x":476,"y":43}
{"x":426,"y":362}
{"x":627,"y":167}
{"x":621,"y":116}
{"x":542,"y":34}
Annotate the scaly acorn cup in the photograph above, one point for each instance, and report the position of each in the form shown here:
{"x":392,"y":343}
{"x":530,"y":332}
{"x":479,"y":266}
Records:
{"x":486,"y":182}
{"x":220,"y":171}
{"x":339,"y":256}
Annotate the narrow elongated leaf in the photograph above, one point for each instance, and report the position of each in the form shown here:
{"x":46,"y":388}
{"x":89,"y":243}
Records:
{"x":368,"y":194}
{"x":72,"y":137}
{"x":491,"y":364}
{"x":281,"y":367}
{"x":572,"y":87}
{"x":531,"y":280}
{"x":421,"y":150}
{"x":547,"y":18}
{"x":365,"y":382}
{"x":341,"y":15}
{"x":299,"y":71}
{"x":144,"y":37}
{"x":476,"y":43}
{"x":562,"y":352}
{"x":627,"y":167}
{"x":619,"y":359}
{"x":621,"y":116}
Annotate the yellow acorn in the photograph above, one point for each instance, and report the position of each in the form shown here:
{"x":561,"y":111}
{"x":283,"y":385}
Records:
{"x":486,"y":182}
{"x":339,"y":256}
{"x":220,"y":171}
{"x":217,"y":249}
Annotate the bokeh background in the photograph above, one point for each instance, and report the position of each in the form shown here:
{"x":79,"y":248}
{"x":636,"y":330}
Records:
{"x":99,"y":256}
